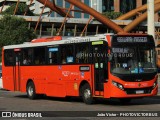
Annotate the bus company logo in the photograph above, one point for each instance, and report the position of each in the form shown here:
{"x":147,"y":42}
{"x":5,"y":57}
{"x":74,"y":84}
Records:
{"x":65,"y":73}
{"x":6,"y":114}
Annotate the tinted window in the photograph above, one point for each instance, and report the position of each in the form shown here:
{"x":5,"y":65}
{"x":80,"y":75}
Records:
{"x":39,"y":56}
{"x":82,"y":53}
{"x":67,"y":54}
{"x":9,"y":59}
{"x":0,"y":71}
{"x":53,"y":54}
{"x":27,"y":56}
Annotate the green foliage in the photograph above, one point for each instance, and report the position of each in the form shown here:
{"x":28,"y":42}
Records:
{"x":112,"y":15}
{"x":14,"y":30}
{"x":22,"y":7}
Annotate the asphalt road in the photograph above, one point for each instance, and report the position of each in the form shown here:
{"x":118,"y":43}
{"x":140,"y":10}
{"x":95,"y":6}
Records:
{"x":16,"y":101}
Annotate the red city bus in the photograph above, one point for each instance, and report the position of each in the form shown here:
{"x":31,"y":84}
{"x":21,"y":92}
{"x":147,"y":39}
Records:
{"x":106,"y":66}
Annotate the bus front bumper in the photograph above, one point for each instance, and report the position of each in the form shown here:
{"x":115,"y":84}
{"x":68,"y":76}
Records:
{"x":133,"y":92}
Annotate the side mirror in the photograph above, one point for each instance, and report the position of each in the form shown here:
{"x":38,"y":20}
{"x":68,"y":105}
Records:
{"x":110,"y":57}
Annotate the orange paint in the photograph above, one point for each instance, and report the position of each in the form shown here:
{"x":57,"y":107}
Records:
{"x":65,"y":80}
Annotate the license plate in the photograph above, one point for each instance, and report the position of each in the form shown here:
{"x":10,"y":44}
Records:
{"x":139,"y":91}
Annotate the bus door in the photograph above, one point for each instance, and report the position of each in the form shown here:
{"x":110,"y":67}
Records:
{"x":100,"y":65}
{"x":16,"y":69}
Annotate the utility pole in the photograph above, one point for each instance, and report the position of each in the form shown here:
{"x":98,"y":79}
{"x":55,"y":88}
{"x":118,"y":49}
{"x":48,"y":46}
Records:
{"x":150,"y":18}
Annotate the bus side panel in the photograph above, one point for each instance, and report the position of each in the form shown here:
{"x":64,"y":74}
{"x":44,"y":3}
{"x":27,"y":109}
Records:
{"x":73,"y":77}
{"x":107,"y":85}
{"x":32,"y":73}
{"x":8,"y":83}
{"x":7,"y":78}
{"x":55,"y":84}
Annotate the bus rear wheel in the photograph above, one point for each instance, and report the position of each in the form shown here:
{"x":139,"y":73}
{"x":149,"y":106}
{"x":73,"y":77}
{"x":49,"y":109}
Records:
{"x":87,"y":94}
{"x":31,"y":92}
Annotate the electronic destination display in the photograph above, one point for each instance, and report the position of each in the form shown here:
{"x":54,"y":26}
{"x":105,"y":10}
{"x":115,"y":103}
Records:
{"x":132,"y":40}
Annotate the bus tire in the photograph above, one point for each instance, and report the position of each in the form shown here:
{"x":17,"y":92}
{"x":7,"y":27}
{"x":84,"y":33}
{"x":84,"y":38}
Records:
{"x":125,"y":100}
{"x":87,"y":94}
{"x":31,"y":92}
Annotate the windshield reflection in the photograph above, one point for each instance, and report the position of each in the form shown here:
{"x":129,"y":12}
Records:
{"x":133,"y":60}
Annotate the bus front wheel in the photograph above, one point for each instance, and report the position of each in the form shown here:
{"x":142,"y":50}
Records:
{"x":31,"y":92}
{"x":87,"y":94}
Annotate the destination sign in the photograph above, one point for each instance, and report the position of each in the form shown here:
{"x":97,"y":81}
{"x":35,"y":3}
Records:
{"x":132,"y":39}
{"x":120,"y":50}
{"x":78,"y":40}
{"x":84,"y":68}
{"x":53,"y":49}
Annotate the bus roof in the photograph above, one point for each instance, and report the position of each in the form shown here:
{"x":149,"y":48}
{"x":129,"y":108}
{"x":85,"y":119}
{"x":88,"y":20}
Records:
{"x":65,"y":40}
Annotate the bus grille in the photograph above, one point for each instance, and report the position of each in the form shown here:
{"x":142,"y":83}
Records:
{"x":134,"y":90}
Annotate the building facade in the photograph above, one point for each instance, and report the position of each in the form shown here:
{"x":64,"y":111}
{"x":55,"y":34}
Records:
{"x":36,"y":7}
{"x":8,"y":3}
{"x":124,"y":6}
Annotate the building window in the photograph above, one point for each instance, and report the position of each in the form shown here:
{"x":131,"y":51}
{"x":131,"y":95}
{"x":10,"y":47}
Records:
{"x":86,"y":2}
{"x":77,"y":14}
{"x":67,"y":5}
{"x":144,"y":2}
{"x":127,"y":5}
{"x":108,"y":5}
{"x":86,"y":15}
{"x":52,"y":14}
{"x":60,"y":4}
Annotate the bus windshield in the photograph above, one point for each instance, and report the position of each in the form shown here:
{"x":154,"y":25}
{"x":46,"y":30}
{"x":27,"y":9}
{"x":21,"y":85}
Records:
{"x":133,"y":60}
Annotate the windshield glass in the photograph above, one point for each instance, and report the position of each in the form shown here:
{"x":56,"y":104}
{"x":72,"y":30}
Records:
{"x":133,"y":60}
{"x":0,"y":71}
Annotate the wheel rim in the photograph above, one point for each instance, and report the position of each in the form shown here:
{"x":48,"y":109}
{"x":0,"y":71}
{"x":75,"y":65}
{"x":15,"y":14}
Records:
{"x":87,"y":94}
{"x":30,"y":91}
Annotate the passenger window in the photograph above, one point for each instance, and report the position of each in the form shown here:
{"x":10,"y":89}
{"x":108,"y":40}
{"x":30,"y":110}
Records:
{"x":9,"y":59}
{"x":82,"y":53}
{"x":39,"y":56}
{"x":67,"y":55}
{"x":53,"y":55}
{"x":27,"y":56}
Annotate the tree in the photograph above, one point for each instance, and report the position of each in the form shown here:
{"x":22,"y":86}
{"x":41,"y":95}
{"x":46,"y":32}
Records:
{"x":112,"y":15}
{"x":22,"y":7}
{"x":14,"y":30}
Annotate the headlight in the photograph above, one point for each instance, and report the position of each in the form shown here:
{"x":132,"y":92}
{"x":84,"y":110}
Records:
{"x":154,"y":84}
{"x":118,"y":85}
